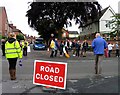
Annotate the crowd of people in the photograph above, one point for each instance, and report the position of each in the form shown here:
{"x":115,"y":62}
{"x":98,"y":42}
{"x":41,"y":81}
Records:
{"x":65,"y":46}
{"x":78,"y":48}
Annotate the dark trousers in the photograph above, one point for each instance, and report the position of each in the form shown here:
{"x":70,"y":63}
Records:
{"x":109,"y":53}
{"x":117,"y":52}
{"x":12,"y":63}
{"x":61,"y":52}
{"x":3,"y":50}
{"x":55,"y":53}
{"x":84,"y":52}
{"x":66,"y":50}
{"x":74,"y":50}
{"x":98,"y":60}
{"x":25,"y":51}
{"x":77,"y":52}
{"x":52,"y":53}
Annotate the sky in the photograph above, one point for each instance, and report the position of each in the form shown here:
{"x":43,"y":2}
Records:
{"x":16,"y":11}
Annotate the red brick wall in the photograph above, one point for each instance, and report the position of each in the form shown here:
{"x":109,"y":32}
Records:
{"x":4,"y":20}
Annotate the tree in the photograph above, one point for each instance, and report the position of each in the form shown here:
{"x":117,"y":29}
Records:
{"x":3,"y":37}
{"x":0,"y":37}
{"x":49,"y":17}
{"x":114,"y":24}
{"x":20,"y":37}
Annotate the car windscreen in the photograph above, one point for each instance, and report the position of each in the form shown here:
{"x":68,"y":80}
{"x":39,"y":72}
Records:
{"x":38,"y":42}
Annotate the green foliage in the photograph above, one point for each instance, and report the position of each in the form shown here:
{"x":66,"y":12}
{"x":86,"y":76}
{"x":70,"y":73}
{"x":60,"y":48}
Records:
{"x":0,"y":37}
{"x":115,"y":24}
{"x":20,"y":37}
{"x":3,"y":37}
{"x":49,"y":17}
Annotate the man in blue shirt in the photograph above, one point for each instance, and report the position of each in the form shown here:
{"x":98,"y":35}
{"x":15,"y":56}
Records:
{"x":98,"y":45}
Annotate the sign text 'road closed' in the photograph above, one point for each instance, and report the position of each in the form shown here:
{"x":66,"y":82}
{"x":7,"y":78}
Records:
{"x":49,"y":73}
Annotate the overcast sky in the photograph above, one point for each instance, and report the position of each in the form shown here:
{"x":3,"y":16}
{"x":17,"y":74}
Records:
{"x":16,"y":11}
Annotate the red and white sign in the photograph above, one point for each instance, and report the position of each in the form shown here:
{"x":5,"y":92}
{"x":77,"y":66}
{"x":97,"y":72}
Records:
{"x":49,"y":73}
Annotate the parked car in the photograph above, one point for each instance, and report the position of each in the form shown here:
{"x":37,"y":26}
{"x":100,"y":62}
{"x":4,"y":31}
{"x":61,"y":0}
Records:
{"x":39,"y":45}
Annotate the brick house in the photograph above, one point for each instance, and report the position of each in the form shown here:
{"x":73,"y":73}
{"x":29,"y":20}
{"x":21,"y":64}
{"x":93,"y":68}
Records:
{"x":15,"y":30}
{"x":4,"y":25}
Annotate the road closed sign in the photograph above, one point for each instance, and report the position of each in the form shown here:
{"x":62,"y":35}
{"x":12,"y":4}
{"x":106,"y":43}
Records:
{"x":49,"y":73}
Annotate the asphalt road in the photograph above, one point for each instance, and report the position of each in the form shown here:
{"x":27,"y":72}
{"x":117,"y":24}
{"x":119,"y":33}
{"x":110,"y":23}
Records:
{"x":80,"y":74}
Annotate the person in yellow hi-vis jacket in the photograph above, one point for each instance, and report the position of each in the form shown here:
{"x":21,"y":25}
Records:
{"x":52,"y":46}
{"x":22,"y":44}
{"x":13,"y":51}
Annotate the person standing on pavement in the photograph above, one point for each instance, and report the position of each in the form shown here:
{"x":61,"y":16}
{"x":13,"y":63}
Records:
{"x":110,"y":47}
{"x":117,"y":49}
{"x":25,"y":48}
{"x":52,"y":46}
{"x":98,"y":45}
{"x":66,"y":44}
{"x":85,"y":47}
{"x":106,"y":52}
{"x":70,"y":46}
{"x":77,"y":47}
{"x":3,"y":46}
{"x":13,"y":51}
{"x":56,"y":47}
{"x":61,"y":48}
{"x":73,"y":47}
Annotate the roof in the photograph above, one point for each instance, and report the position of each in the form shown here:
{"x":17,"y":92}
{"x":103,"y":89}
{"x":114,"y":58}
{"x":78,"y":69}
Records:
{"x":99,"y":16}
{"x":16,"y":30}
{"x":72,"y":32}
{"x":102,"y":12}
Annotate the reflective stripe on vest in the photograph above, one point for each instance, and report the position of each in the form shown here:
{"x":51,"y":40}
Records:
{"x":13,"y":50}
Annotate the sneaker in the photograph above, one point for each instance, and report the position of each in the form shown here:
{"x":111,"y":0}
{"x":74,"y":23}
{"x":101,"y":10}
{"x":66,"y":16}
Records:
{"x":60,"y":55}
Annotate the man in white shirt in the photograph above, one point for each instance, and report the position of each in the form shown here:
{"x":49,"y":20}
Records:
{"x":110,"y":47}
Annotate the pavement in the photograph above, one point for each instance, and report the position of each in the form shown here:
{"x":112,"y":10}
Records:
{"x":78,"y":81}
{"x":95,"y":84}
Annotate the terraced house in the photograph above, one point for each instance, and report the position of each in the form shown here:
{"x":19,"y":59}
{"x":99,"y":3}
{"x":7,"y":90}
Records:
{"x":4,"y":25}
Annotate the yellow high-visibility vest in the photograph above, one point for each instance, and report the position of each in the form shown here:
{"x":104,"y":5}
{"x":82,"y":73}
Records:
{"x":13,"y":50}
{"x":23,"y":44}
{"x":26,"y":43}
{"x":52,"y":44}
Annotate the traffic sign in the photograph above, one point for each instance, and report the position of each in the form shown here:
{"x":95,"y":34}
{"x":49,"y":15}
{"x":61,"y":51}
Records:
{"x":49,"y":73}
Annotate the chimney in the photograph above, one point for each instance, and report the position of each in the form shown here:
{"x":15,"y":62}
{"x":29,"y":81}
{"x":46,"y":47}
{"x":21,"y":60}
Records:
{"x":11,"y":25}
{"x":14,"y":27}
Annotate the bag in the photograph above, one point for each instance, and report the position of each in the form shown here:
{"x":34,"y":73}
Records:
{"x":20,"y":62}
{"x":67,"y":55}
{"x":28,"y":49}
{"x":48,"y":49}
